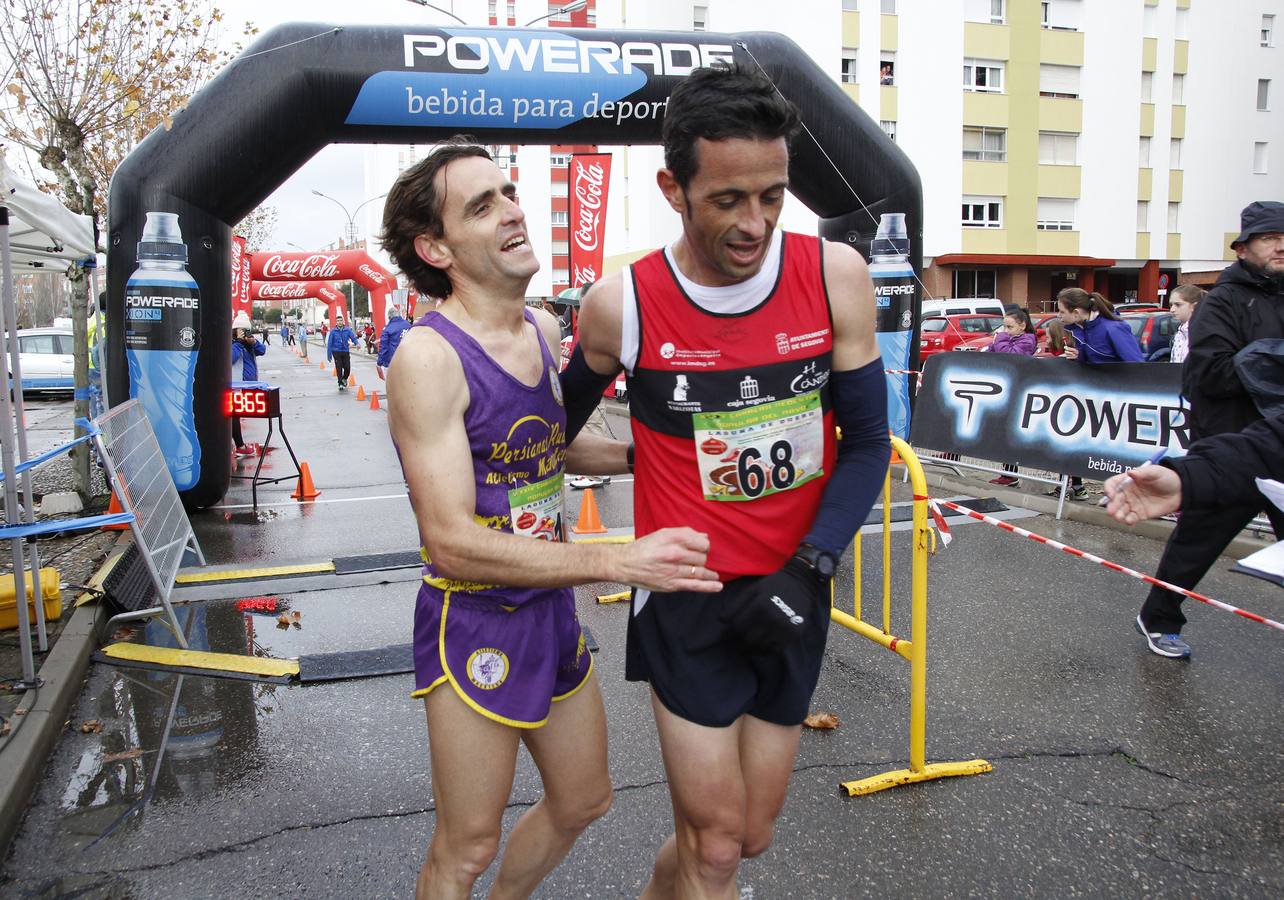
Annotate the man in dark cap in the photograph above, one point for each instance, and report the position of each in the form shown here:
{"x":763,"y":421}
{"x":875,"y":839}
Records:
{"x":1246,"y":305}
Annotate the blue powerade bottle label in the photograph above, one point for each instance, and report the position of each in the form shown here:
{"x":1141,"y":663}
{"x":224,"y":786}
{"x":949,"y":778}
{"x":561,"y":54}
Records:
{"x":894,"y":290}
{"x":162,"y":317}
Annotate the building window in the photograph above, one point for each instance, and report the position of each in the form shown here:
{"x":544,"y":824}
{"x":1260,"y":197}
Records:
{"x":982,"y":212}
{"x":889,"y":128}
{"x":887,"y":68}
{"x":699,"y":17}
{"x":986,"y":144}
{"x":559,"y":248}
{"x":1263,"y":94}
{"x":1058,"y":148}
{"x":997,"y":16}
{"x":558,"y":218}
{"x":1179,"y":90}
{"x":561,"y":276}
{"x":1045,"y":13}
{"x":558,"y":189}
{"x":851,"y":5}
{"x":848,"y":74}
{"x":1259,"y":158}
{"x":1268,"y":31}
{"x":559,"y":159}
{"x":1061,"y":15}
{"x":1181,"y":25}
{"x":889,"y":7}
{"x":1055,"y":214}
{"x":1150,"y":21}
{"x":983,"y":75}
{"x":976,"y":283}
{"x":1174,"y":153}
{"x":1174,"y":217}
{"x":1143,"y":153}
{"x":1148,"y":86}
{"x":1058,"y":81}
{"x":1143,"y":215}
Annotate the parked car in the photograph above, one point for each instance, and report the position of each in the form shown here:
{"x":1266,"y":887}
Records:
{"x":46,"y":358}
{"x":986,"y":306}
{"x":1154,"y":333}
{"x":1122,"y":308}
{"x":942,"y":333}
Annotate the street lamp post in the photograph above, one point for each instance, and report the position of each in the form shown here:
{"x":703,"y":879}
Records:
{"x":574,"y":6}
{"x":350,"y":231}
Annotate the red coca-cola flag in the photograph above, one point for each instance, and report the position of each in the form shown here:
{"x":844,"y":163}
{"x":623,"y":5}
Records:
{"x":240,"y":277}
{"x":590,"y":177}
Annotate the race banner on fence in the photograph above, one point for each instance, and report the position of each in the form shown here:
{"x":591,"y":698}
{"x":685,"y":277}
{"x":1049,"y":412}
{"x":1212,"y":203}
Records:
{"x":1054,"y":414}
{"x":590,"y":178}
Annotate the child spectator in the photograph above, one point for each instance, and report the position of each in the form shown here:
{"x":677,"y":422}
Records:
{"x":1184,"y":300}
{"x":1016,"y":336}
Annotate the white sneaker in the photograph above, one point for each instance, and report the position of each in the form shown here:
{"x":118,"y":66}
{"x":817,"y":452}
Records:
{"x":580,"y":482}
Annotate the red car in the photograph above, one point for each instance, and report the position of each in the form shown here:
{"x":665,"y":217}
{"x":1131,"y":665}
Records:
{"x":942,"y":333}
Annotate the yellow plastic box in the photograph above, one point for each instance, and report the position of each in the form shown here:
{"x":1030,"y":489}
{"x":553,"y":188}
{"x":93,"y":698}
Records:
{"x":49,"y":580}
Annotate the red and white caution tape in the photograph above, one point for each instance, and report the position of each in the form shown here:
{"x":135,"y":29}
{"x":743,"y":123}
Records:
{"x":941,"y":524}
{"x":1008,"y":526}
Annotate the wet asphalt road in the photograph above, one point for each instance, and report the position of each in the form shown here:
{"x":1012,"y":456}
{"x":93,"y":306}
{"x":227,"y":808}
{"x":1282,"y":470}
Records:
{"x":1116,"y":772}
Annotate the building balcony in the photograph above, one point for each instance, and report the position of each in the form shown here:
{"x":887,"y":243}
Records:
{"x":1059,"y":181}
{"x":1060,"y":114}
{"x":985,"y":240}
{"x":980,"y":108}
{"x":1056,"y":243}
{"x":982,"y":40}
{"x":985,"y":178}
{"x":1062,"y":48}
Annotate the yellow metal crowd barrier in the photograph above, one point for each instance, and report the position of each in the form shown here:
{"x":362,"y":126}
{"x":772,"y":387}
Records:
{"x":915,"y":649}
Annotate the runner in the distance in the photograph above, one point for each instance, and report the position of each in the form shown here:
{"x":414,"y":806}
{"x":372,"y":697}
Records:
{"x":745,"y":346}
{"x":476,"y":414}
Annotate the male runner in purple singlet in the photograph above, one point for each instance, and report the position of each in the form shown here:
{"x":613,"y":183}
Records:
{"x":477,"y":417}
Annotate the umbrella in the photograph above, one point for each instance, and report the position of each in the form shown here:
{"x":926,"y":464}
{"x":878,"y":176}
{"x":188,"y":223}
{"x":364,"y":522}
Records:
{"x":571,"y":296}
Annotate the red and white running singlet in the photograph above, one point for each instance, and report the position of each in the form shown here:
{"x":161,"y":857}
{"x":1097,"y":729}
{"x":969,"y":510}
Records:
{"x":731,"y":412}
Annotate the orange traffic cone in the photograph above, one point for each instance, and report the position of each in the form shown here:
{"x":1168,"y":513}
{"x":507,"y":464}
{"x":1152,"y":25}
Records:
{"x":361,"y":392}
{"x":589,"y":522}
{"x":352,"y":380}
{"x":321,"y":365}
{"x":115,"y":507}
{"x":374,"y":399}
{"x":305,"y":490}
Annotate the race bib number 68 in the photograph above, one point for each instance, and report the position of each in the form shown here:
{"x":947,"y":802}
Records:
{"x":750,"y":453}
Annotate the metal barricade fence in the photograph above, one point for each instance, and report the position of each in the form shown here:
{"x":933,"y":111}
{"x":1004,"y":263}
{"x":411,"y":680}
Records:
{"x":138,"y":474}
{"x":914,"y":651}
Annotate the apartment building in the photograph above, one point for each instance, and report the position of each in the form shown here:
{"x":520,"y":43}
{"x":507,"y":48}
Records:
{"x":1108,"y":144}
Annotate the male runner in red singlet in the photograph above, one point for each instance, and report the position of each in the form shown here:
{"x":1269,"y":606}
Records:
{"x":744,"y":347}
{"x":476,"y":414}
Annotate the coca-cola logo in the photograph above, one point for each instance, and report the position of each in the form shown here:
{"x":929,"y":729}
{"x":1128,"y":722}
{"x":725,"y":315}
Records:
{"x":283,"y":291}
{"x":581,"y":275}
{"x":588,"y":191}
{"x":236,"y":256}
{"x":317,"y":265}
{"x":376,"y":277}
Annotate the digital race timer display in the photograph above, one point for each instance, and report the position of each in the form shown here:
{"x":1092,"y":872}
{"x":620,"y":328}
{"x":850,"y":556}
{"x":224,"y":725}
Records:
{"x":252,"y":402}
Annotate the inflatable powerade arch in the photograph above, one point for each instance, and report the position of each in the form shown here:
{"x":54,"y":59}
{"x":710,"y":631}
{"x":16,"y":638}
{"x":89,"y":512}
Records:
{"x":302,"y":86}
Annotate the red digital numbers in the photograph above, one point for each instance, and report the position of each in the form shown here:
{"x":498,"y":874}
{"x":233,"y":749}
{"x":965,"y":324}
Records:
{"x":248,"y":403}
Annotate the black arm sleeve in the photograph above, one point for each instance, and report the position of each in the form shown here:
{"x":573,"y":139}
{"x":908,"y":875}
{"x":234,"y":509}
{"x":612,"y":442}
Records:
{"x":581,"y":392}
{"x":1221,"y":469}
{"x":860,"y":409}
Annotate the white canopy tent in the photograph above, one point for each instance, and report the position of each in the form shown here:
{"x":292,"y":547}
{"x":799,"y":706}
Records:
{"x":36,"y":232}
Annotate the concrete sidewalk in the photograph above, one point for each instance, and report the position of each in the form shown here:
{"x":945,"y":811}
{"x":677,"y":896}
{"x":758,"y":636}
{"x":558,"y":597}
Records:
{"x":1116,"y":772}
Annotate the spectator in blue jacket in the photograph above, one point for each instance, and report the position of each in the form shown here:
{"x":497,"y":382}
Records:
{"x":1100,"y":335}
{"x":245,"y":349}
{"x":389,"y":339}
{"x":336,"y":349}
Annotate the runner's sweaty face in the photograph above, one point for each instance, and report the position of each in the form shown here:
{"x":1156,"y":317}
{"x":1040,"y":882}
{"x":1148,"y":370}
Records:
{"x":730,"y":207}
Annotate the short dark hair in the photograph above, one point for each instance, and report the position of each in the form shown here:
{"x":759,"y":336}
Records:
{"x":414,"y":207}
{"x":717,"y":103}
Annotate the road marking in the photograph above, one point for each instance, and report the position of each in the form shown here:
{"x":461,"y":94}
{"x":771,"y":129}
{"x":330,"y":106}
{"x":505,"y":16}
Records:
{"x":261,"y":572}
{"x":200,"y":659}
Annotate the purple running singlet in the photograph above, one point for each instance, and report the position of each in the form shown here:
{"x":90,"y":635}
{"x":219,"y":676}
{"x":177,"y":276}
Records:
{"x":508,"y":652}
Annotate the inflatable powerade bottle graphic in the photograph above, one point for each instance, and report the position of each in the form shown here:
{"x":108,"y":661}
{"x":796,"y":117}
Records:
{"x":162,"y":337}
{"x":894,"y":289}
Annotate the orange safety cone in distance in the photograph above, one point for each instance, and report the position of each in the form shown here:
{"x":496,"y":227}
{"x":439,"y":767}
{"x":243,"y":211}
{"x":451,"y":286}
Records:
{"x":361,"y":392}
{"x":352,"y":380}
{"x":115,"y":507}
{"x":305,"y":490}
{"x":590,"y":522}
{"x":374,"y":399}
{"x":321,"y":365}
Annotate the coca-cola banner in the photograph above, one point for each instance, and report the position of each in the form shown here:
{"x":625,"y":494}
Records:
{"x":354,"y":265}
{"x":240,"y":277}
{"x":590,"y":178}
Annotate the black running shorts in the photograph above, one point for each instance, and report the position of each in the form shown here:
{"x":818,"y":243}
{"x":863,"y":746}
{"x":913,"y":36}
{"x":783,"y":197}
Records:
{"x":702,"y":673}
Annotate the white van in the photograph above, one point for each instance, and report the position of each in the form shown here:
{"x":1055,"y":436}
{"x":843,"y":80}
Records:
{"x":985,"y":306}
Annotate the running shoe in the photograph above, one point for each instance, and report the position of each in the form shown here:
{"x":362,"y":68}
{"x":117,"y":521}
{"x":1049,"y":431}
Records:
{"x":246,"y":450}
{"x":1005,"y":481}
{"x":1170,"y":646}
{"x":580,"y":482}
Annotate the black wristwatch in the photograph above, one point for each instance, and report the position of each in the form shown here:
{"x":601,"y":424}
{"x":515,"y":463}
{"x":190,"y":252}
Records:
{"x":822,"y":562}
